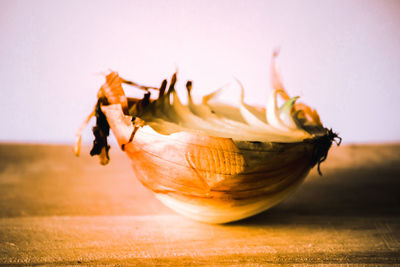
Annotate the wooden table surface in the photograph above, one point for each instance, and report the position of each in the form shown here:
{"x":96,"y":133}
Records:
{"x":59,"y":209}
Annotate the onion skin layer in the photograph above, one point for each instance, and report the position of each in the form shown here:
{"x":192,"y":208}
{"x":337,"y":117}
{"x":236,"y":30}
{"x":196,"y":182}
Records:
{"x":214,"y":179}
{"x":205,"y":177}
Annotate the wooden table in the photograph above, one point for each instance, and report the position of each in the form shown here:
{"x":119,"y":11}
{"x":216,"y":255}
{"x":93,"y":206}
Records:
{"x":59,"y":209}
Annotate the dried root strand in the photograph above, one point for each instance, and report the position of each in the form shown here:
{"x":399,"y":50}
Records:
{"x":138,"y":123}
{"x":143,"y":87}
{"x":172,"y":84}
{"x":140,"y":105}
{"x":322,"y":146}
{"x":101,"y":131}
{"x":189,"y":85}
{"x":162,"y":88}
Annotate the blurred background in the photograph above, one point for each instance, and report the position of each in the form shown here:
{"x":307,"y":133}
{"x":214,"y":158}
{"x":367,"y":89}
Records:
{"x":340,"y":57}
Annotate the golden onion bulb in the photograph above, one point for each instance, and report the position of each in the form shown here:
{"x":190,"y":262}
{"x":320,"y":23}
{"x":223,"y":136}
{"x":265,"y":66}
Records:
{"x":211,"y":162}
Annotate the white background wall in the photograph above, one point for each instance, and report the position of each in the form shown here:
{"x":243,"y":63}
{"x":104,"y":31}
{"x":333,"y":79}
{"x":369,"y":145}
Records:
{"x":341,"y":57}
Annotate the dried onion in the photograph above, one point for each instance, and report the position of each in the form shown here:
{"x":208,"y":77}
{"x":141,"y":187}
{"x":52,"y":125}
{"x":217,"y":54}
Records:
{"x":212,"y":162}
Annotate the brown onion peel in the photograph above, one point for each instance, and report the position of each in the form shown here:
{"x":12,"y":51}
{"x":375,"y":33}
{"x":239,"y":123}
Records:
{"x":209,"y":178}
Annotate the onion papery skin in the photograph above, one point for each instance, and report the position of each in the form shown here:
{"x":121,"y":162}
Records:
{"x":212,"y":179}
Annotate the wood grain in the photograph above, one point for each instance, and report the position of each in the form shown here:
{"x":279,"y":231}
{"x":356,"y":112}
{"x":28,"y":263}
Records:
{"x":58,"y":209}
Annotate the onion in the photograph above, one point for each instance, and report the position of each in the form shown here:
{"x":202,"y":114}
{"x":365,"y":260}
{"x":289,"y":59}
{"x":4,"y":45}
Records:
{"x":211,"y":162}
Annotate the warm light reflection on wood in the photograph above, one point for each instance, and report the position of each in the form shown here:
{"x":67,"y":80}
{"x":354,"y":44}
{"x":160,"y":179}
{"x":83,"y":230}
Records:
{"x":55,"y":208}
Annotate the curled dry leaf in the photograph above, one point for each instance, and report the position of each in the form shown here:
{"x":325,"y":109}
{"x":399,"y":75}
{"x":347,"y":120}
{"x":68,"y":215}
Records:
{"x":211,"y":162}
